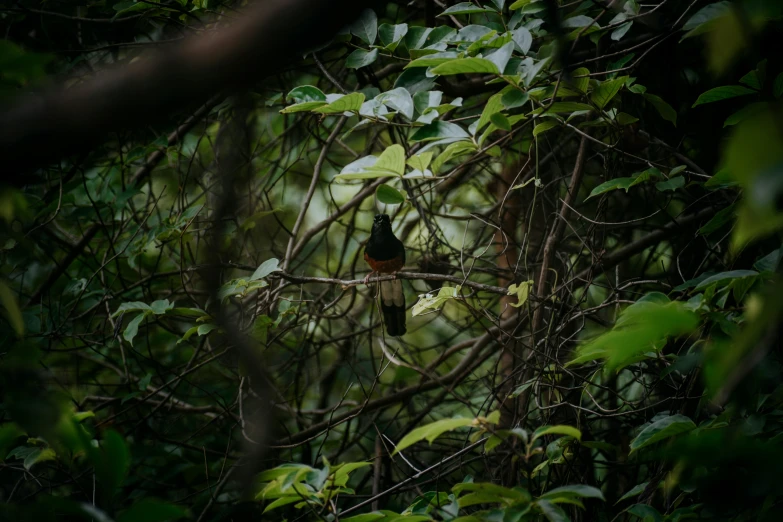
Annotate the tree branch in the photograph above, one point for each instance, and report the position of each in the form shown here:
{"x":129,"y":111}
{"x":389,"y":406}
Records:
{"x":44,"y":128}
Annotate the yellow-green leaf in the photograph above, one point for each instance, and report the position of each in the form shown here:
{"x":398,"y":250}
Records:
{"x":430,"y":432}
{"x":421,"y":161}
{"x":522,"y":291}
{"x":544,"y":126}
{"x":429,"y":302}
{"x":557,"y":430}
{"x":466,"y":66}
{"x":349,"y":102}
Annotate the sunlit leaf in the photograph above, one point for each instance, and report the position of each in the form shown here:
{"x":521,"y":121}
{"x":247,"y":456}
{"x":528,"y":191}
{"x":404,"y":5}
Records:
{"x":466,"y":66}
{"x":430,"y":303}
{"x":557,"y":430}
{"x":349,"y":102}
{"x":430,"y":432}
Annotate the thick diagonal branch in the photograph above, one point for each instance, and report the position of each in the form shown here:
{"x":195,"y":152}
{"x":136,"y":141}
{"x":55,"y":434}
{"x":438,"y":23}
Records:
{"x":273,"y":32}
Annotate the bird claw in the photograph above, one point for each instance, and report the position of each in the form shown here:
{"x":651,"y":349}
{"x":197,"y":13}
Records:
{"x":367,"y":278}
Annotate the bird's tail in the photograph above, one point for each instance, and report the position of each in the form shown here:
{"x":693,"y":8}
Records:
{"x":393,"y":307}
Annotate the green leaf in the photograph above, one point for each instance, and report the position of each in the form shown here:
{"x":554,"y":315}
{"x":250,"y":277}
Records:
{"x":426,"y":100}
{"x":162,"y":306}
{"x":580,"y":79}
{"x":522,"y":38}
{"x":552,"y":512}
{"x":500,"y":121}
{"x":530,"y":70}
{"x":303,"y":107}
{"x":283,"y":501}
{"x":358,"y":169}
{"x":366,"y":26}
{"x":466,"y":66}
{"x":557,"y":430}
{"x":392,"y":35}
{"x":389,"y":195}
{"x":430,"y":432}
{"x":633,"y":492}
{"x":723,"y":93}
{"x":152,"y":510}
{"x":645,"y":512}
{"x":133,"y":328}
{"x":544,"y":126}
{"x":575,"y":490}
{"x":281,"y":471}
{"x":366,"y":517}
{"x":32,"y":455}
{"x":720,"y":219}
{"x":493,"y":105}
{"x":501,"y":57}
{"x":306,"y":93}
{"x":465,"y":8}
{"x":612,"y":184}
{"x":606,"y":91}
{"x":746,"y":112}
{"x":264,"y":269}
{"x":662,"y":429}
{"x":361,"y":58}
{"x":619,"y":32}
{"x":12,"y":310}
{"x":753,"y":156}
{"x":723,"y":277}
{"x":562,"y":107}
{"x":519,"y":4}
{"x":439,"y":130}
{"x":421,"y":161}
{"x":391,"y":162}
{"x":204,"y":329}
{"x":664,"y":109}
{"x":704,"y":15}
{"x":626,"y":119}
{"x":643,"y":327}
{"x":755,"y":79}
{"x":488,"y":490}
{"x":398,"y":99}
{"x":770,"y":262}
{"x":670,"y":184}
{"x":577,"y":21}
{"x":349,"y":102}
{"x":454,"y":150}
{"x":428,"y":302}
{"x":431,"y":60}
{"x":514,"y":98}
{"x":522,"y":291}
{"x":132,"y":307}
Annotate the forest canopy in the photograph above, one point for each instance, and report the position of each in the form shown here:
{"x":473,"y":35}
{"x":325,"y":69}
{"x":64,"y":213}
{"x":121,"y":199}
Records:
{"x":200,"y":299}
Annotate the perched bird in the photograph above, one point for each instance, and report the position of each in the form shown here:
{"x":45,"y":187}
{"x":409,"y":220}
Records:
{"x":386,"y":255}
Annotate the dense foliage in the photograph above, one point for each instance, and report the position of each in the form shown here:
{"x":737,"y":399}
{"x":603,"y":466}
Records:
{"x":590,"y":195}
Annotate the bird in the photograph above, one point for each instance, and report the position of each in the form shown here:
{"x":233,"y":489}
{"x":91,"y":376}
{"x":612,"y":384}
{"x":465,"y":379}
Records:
{"x":386,"y":255}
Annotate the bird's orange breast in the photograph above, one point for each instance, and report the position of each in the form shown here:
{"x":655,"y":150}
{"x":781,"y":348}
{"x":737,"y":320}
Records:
{"x":385,"y":267}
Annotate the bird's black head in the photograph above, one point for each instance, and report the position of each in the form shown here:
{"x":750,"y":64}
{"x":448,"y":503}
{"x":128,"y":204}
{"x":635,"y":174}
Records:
{"x":381,"y":223}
